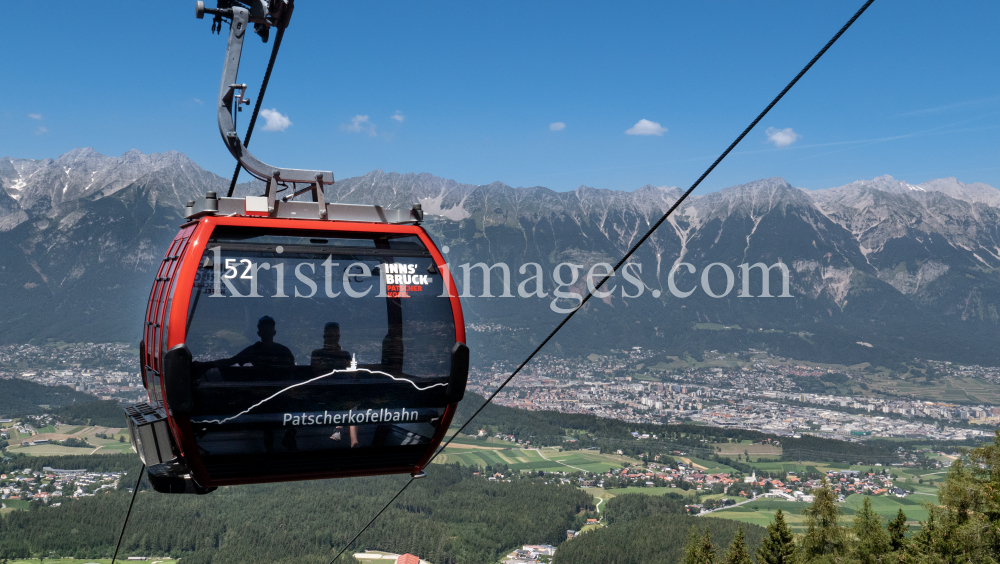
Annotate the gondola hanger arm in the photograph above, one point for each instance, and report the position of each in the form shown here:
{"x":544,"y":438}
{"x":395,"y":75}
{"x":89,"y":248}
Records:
{"x":263,"y":16}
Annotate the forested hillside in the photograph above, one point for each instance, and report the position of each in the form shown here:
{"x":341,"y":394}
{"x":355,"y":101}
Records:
{"x":104,"y":463}
{"x":655,"y":539}
{"x":106,"y":413}
{"x":20,"y":396}
{"x":451,"y":517}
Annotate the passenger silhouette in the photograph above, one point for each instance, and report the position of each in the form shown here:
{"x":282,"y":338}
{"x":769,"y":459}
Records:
{"x":331,"y":356}
{"x":265,"y":353}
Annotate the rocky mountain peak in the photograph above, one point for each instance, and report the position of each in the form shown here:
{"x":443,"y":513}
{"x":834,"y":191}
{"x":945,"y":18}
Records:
{"x":754,"y":199}
{"x":80,"y":154}
{"x":972,"y":193}
{"x":51,"y":187}
{"x":876,"y":257}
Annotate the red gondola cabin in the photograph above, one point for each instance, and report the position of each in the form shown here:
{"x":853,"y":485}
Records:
{"x":297,"y":346}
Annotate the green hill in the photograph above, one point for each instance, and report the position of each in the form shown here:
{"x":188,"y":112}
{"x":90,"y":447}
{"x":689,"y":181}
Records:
{"x":653,"y":540}
{"x":18,"y":396}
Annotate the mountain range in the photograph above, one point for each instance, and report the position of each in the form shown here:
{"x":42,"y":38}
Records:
{"x":879,"y":270}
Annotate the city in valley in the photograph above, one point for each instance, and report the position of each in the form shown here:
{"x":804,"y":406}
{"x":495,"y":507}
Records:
{"x":105,"y":370}
{"x":750,"y":390}
{"x":733,"y":478}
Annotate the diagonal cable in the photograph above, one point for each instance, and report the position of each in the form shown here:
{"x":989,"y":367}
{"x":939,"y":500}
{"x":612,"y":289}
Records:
{"x":590,"y":292}
{"x":373,"y":519}
{"x":256,"y":107}
{"x":128,"y":513}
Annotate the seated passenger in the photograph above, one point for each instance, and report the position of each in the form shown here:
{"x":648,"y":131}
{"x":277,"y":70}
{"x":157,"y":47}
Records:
{"x":265,"y":353}
{"x":331,"y":357}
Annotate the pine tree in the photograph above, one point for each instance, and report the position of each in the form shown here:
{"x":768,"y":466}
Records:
{"x":778,"y":547}
{"x":824,"y":535}
{"x":692,"y":550}
{"x":737,"y":552}
{"x":699,"y":550}
{"x":872,"y":541}
{"x":897,"y":532}
{"x":706,"y":554}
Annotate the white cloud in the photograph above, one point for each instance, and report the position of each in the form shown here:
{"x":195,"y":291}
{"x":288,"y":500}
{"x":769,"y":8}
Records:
{"x":359,"y":124}
{"x":41,"y":130}
{"x":782,"y":137}
{"x":646,"y":127}
{"x":275,"y":120}
{"x":398,"y":116}
{"x":199,"y":102}
{"x":35,"y":116}
{"x":557,"y":126}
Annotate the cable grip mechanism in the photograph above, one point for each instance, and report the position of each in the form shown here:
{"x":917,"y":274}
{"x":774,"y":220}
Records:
{"x":263,"y":14}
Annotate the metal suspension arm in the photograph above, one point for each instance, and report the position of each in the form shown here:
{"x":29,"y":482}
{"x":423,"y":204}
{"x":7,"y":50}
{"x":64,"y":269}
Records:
{"x":237,"y":33}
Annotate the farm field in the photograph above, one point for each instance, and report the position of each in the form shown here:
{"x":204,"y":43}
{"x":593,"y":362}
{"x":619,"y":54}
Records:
{"x":887,"y":506}
{"x":519,"y":459}
{"x":63,"y":432}
{"x":762,"y":512}
{"x":979,"y":391}
{"x":14,"y":504}
{"x":909,"y":477}
{"x":754,"y":450}
{"x":645,"y":491}
{"x":59,"y":450}
{"x":704,"y":465}
{"x":952,"y":389}
{"x":786,"y":467}
{"x":491,"y":442}
{"x":673,"y":362}
{"x":608,"y":494}
{"x":735,"y":498}
{"x":807,"y":466}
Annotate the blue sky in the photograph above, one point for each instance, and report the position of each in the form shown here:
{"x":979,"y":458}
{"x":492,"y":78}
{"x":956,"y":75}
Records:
{"x":471,"y":90}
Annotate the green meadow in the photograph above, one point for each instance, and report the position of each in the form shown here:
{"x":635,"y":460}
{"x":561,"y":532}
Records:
{"x":523,"y":459}
{"x":762,"y":512}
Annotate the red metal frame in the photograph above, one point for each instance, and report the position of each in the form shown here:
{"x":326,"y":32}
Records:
{"x":175,"y":293}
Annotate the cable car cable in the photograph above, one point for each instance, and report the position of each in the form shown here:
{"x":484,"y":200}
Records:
{"x":373,"y":519}
{"x":590,"y":292}
{"x":256,"y":107}
{"x":128,"y":513}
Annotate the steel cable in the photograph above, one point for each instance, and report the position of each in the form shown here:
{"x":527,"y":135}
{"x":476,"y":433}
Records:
{"x":256,"y":107}
{"x":128,"y":513}
{"x":590,"y":292}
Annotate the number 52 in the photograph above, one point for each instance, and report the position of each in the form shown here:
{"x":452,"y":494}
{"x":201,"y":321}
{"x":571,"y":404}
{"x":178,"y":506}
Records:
{"x":231,"y":271}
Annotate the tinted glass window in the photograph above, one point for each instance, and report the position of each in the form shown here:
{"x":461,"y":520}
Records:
{"x":306,"y":343}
